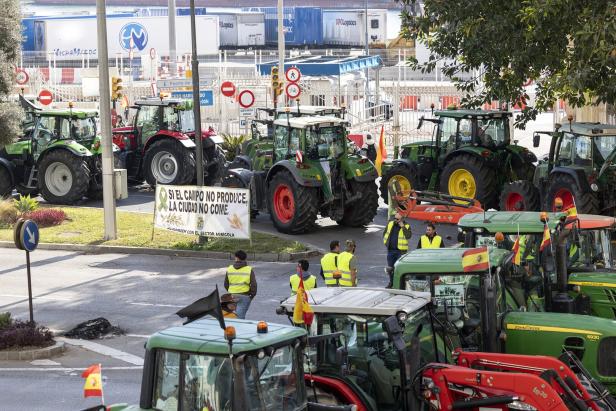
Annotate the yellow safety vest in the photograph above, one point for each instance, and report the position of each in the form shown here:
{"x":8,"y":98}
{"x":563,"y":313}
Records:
{"x":343,"y":265}
{"x":309,"y":283}
{"x":523,"y":241}
{"x":328,"y":265}
{"x":436,"y":241}
{"x":239,"y":279}
{"x":403,"y":243}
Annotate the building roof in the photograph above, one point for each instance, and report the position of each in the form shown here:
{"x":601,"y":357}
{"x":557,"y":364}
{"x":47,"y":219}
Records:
{"x":507,"y":222}
{"x":205,"y":336}
{"x":590,"y":129}
{"x":361,"y":301}
{"x":441,"y":260}
{"x":323,"y":65}
{"x":463,"y":113}
{"x":307,"y":121}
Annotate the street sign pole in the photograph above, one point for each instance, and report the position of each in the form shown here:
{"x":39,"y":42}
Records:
{"x":173,"y":60}
{"x":26,"y":238}
{"x":29,"y":286}
{"x":281,"y":40}
{"x":109,"y":205}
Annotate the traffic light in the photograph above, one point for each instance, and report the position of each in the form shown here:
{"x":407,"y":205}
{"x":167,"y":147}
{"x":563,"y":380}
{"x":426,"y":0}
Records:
{"x":276,"y":82}
{"x":116,"y":88}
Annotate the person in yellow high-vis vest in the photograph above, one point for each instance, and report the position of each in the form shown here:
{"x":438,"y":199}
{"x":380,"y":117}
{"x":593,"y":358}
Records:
{"x":310,"y":281}
{"x":329,"y":265}
{"x":396,"y":238}
{"x":348,"y":266}
{"x":241,"y":282}
{"x":431,"y":239}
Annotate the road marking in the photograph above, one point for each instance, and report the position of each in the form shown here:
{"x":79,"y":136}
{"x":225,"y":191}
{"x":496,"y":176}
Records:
{"x":44,"y":362}
{"x":158,"y":305}
{"x":104,"y":350}
{"x":69,"y":369}
{"x":137,"y":336}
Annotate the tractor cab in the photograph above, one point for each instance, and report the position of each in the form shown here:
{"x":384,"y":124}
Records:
{"x":590,"y":253}
{"x":247,"y":366}
{"x":366,"y":344}
{"x":262,"y":128}
{"x":503,"y":307}
{"x":462,"y":157}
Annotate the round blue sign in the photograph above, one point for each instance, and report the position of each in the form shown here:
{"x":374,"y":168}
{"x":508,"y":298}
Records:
{"x":133,"y":36}
{"x":29,"y":235}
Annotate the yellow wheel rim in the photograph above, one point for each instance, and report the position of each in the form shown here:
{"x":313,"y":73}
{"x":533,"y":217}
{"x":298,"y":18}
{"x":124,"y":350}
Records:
{"x":462,"y":184}
{"x":403,"y":183}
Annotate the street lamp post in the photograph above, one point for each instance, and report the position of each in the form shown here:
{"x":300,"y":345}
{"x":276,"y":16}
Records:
{"x":281,"y":42}
{"x":109,"y":206}
{"x":196,"y":102}
{"x":173,"y":60}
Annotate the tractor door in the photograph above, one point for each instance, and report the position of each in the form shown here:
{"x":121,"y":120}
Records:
{"x":148,"y":123}
{"x":564,"y":151}
{"x":47,"y":129}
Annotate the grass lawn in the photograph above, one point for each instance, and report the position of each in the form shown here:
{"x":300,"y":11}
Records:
{"x":85,"y":226}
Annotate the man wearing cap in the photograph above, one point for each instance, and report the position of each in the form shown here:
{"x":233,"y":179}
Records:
{"x":241,"y":282}
{"x":348,"y":266}
{"x":310,"y":281}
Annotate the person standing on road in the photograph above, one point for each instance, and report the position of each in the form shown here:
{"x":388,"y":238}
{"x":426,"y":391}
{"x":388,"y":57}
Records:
{"x":240,"y":281}
{"x":431,"y":239}
{"x":329,"y":265}
{"x":347,"y":264}
{"x":310,"y":281}
{"x":396,"y":238}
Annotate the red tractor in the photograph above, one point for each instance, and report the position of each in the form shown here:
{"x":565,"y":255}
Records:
{"x":159,"y":146}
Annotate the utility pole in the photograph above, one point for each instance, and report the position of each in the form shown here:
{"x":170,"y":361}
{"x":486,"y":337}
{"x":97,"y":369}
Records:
{"x":173,"y":60}
{"x":196,"y":102}
{"x":281,"y":41}
{"x":367,"y":52}
{"x":109,"y":205}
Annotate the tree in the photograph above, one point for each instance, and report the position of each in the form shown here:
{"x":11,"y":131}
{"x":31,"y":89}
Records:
{"x":567,"y":47}
{"x":10,"y":47}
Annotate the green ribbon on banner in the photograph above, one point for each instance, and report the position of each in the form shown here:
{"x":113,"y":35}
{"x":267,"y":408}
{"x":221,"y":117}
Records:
{"x":162,"y":199}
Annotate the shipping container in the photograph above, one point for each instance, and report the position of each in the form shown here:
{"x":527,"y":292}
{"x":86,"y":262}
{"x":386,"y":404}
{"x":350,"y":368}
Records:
{"x":303,"y":26}
{"x":241,"y":29}
{"x":75,"y":38}
{"x":348,"y":27}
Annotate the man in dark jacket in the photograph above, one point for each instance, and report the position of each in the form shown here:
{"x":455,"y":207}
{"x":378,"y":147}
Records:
{"x":241,"y":282}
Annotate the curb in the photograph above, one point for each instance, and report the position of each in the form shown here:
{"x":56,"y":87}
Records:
{"x":219,"y":255}
{"x":35,"y":354}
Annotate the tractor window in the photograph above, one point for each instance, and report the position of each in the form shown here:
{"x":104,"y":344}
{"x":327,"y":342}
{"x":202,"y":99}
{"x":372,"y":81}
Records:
{"x":565,"y":150}
{"x":166,"y":395}
{"x":448,"y":137}
{"x":80,"y":129}
{"x":294,"y":142}
{"x":281,"y":145}
{"x":187,"y":120}
{"x":583,"y":151}
{"x":170,"y":119}
{"x":604,"y":147}
{"x":148,"y":119}
{"x":324,"y":142}
{"x":493,"y":132}
{"x":465,"y":133}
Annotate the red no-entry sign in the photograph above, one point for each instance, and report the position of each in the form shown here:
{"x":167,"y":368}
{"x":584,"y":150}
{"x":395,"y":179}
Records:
{"x":45,"y":97}
{"x":227,"y":89}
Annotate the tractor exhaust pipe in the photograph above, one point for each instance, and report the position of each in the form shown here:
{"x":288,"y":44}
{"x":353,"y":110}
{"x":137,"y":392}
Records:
{"x":562,"y":302}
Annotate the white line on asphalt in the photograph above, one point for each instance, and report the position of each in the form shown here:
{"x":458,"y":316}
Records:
{"x":69,"y":369}
{"x":137,"y":336}
{"x":104,"y":350}
{"x":158,"y":305}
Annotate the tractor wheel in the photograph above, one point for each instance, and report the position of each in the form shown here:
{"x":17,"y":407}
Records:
{"x":467,"y":176}
{"x":293,"y":208}
{"x":403,"y":174}
{"x":519,"y":196}
{"x":563,"y":186}
{"x":63,"y":178}
{"x":168,"y":162}
{"x":361,"y":212}
{"x":6,"y":187}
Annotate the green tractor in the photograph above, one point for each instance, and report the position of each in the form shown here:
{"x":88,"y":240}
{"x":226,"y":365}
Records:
{"x":470,"y":155}
{"x":579,"y":169}
{"x":305,"y":170}
{"x":58,"y":156}
{"x":490,"y":310}
{"x":249,"y":366}
{"x":591,"y":262}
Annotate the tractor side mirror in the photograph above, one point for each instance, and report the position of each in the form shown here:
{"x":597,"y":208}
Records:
{"x":536,"y":140}
{"x":421,"y":120}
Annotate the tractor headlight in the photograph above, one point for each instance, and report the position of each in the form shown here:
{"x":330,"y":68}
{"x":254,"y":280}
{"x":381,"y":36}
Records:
{"x":519,"y":405}
{"x":594,"y":187}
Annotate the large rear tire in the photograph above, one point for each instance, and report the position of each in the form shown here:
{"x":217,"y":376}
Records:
{"x":63,"y":177}
{"x":293,"y":208}
{"x":565,"y":187}
{"x":6,"y":187}
{"x":468,"y":176}
{"x":362,"y":211}
{"x":169,"y":162}
{"x":519,"y":196}
{"x":404,"y":174}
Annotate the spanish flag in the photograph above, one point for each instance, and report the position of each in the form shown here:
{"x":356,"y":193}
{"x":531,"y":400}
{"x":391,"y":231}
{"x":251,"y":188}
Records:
{"x":302,"y":312}
{"x":571,"y":214}
{"x":93,"y":386}
{"x":475,"y":259}
{"x":381,"y":152}
{"x":517,"y":256}
{"x":547,"y":238}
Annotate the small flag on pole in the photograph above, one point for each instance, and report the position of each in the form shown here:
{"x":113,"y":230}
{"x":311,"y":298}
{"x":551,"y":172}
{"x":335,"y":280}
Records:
{"x":571,"y":214}
{"x":381,"y":152}
{"x":475,"y":259}
{"x":299,"y":157}
{"x":302,"y":312}
{"x":93,"y":387}
{"x":517,"y":257}
{"x":547,"y":238}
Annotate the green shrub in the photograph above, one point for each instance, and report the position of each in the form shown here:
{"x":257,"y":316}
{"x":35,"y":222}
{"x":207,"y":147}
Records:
{"x":5,"y":320}
{"x":232,"y":144}
{"x":25,"y":204}
{"x":8,"y":213}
